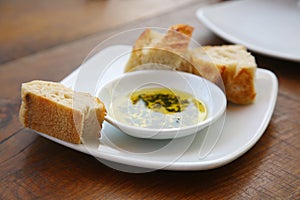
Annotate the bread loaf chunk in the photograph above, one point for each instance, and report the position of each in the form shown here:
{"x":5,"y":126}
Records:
{"x":154,"y":50}
{"x":231,"y":66}
{"x":58,"y":111}
{"x":234,"y":64}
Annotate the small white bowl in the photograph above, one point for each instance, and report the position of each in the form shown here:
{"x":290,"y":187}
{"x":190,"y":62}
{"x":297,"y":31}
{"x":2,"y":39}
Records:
{"x":210,"y":94}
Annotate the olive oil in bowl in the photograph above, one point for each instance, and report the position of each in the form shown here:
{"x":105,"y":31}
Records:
{"x":161,"y":104}
{"x":159,"y":108}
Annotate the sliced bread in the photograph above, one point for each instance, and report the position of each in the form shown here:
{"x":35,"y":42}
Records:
{"x":154,"y":50}
{"x":58,"y":111}
{"x":234,"y":64}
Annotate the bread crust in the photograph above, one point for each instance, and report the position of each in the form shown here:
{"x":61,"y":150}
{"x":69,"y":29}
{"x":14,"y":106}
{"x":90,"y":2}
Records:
{"x":59,"y":117}
{"x":155,"y":50}
{"x":46,"y":116}
{"x":229,"y":66}
{"x":240,"y":88}
{"x":238,"y":76}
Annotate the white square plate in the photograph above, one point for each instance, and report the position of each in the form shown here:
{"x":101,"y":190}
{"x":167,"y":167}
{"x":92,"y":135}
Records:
{"x":227,"y":139}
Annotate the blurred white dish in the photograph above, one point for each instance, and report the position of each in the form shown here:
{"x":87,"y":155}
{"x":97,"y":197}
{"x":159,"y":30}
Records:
{"x":270,"y":27}
{"x":212,"y":96}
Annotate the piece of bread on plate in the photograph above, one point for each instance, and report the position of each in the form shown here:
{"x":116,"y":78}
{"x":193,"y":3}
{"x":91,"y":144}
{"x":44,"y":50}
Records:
{"x":234,"y":64}
{"x":229,"y":65}
{"x":154,"y":50}
{"x":58,"y":111}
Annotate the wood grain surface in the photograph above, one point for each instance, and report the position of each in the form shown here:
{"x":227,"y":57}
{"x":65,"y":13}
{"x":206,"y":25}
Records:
{"x":32,"y":167}
{"x":30,"y":26}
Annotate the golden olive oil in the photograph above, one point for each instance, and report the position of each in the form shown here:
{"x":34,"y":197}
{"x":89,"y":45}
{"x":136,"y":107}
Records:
{"x":159,"y":108}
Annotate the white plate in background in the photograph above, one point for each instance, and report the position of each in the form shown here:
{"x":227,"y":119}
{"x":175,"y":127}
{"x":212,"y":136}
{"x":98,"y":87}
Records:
{"x":243,"y":125}
{"x":270,"y":27}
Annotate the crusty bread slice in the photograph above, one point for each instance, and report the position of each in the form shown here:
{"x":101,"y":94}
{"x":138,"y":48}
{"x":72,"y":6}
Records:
{"x":229,"y":65}
{"x":58,"y":111}
{"x":236,"y":66}
{"x":155,"y":50}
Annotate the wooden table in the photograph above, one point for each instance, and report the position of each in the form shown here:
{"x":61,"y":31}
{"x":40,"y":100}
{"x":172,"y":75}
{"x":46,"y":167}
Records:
{"x":48,"y":40}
